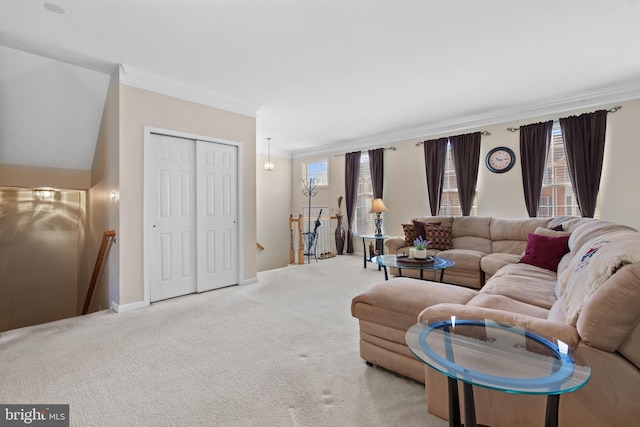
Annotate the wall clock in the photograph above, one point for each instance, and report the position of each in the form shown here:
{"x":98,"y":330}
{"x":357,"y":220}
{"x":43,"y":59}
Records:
{"x":500,"y":159}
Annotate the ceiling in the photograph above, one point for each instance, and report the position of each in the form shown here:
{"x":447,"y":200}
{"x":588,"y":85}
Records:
{"x":326,"y":74}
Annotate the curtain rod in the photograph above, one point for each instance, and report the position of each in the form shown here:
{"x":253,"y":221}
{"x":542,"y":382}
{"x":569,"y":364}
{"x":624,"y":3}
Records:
{"x":386,"y":148}
{"x":610,"y":110}
{"x":484,"y":132}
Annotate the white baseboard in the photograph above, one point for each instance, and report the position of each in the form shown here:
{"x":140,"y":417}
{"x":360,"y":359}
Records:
{"x":128,"y":307}
{"x":142,"y":304}
{"x":249,"y":280}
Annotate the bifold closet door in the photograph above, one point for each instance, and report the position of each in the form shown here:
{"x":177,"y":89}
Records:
{"x":192,"y":216}
{"x":171,"y":217}
{"x":217,"y":215}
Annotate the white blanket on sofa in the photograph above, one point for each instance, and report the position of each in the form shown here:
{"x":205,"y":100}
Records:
{"x":596,"y":261}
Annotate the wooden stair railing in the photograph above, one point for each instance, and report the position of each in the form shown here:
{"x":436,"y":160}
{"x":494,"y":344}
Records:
{"x":107,"y":238}
{"x":292,"y":252}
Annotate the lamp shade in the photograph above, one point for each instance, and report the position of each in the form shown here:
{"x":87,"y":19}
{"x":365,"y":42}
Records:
{"x":377,"y":206}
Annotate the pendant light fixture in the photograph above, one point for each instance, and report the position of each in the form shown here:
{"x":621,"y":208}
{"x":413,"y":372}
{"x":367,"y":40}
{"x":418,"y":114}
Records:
{"x":268,"y":165}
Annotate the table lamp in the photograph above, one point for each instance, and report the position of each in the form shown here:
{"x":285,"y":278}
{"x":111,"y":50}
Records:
{"x":378,"y":207}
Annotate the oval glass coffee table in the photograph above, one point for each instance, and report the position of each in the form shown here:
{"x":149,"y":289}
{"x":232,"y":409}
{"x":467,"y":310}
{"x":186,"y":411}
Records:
{"x":511,"y":359}
{"x":438,"y":263}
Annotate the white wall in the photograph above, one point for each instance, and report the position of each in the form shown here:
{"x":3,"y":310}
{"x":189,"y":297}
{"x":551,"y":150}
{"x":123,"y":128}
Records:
{"x":273,"y":192}
{"x":49,"y":111}
{"x":619,"y":195}
{"x":499,"y":195}
{"x":139,"y":108}
{"x":102,"y":213}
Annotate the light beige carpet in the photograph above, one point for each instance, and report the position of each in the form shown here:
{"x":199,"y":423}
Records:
{"x":281,"y":352}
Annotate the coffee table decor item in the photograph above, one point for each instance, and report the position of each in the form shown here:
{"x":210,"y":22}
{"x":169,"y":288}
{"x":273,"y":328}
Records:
{"x":419,"y":250}
{"x":407,"y":259}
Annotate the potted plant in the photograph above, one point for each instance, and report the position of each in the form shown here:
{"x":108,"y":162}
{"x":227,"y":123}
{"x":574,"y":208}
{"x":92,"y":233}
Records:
{"x":420,"y":245}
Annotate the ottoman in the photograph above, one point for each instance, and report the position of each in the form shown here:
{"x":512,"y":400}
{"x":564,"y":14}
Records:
{"x":387,"y":310}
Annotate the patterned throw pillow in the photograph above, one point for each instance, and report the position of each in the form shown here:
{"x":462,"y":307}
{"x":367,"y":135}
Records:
{"x":439,"y":235}
{"x":409,"y":234}
{"x":419,"y":228}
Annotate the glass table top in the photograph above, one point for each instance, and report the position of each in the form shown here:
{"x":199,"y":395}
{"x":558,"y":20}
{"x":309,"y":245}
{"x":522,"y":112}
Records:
{"x":501,"y":357}
{"x":404,"y":262}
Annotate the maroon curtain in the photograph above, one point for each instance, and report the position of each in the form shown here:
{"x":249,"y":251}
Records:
{"x":584,"y":144}
{"x":466,"y":160}
{"x":435,"y":159}
{"x":534,"y":146}
{"x":351,"y":177}
{"x":376,"y":166}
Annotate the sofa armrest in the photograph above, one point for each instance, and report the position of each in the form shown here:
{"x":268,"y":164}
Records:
{"x":393,"y":244}
{"x":559,"y":330}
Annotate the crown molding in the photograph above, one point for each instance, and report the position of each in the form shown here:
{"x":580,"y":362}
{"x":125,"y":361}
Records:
{"x":146,"y":80}
{"x":612,"y":94}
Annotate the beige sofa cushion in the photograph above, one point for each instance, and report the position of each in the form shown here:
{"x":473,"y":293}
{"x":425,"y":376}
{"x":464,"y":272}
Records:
{"x":613,"y":311}
{"x":501,"y":302}
{"x":630,"y":347}
{"x":559,"y":330}
{"x":491,"y":263}
{"x":397,"y":302}
{"x":524,"y":283}
{"x":465,"y":259}
{"x":473,"y":233}
{"x":551,"y":233}
{"x":590,"y":229}
{"x":510,"y":235}
{"x":592,"y":265}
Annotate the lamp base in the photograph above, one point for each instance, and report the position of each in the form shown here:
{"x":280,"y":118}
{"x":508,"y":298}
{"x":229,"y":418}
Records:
{"x":378,"y":226}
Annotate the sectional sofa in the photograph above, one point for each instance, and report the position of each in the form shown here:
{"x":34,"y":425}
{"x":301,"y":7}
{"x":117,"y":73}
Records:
{"x":590,"y":299}
{"x":477,"y":245}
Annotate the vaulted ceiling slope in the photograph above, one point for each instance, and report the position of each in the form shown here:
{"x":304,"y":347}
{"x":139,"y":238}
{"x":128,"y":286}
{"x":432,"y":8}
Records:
{"x":50,"y":111}
{"x":328,"y":73}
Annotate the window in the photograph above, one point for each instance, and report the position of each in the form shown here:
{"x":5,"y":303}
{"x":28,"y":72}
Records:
{"x":450,"y":204}
{"x":364,"y":222}
{"x":543,"y":208}
{"x":317,"y":169}
{"x":557,"y":196}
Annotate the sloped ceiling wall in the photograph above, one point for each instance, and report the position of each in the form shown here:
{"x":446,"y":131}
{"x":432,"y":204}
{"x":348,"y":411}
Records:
{"x":50,"y":111}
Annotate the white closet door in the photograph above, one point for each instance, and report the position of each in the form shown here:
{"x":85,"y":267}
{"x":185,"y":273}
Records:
{"x":217,"y":215}
{"x":171,"y":216}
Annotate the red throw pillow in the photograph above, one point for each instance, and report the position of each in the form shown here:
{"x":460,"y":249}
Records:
{"x":545,"y":251}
